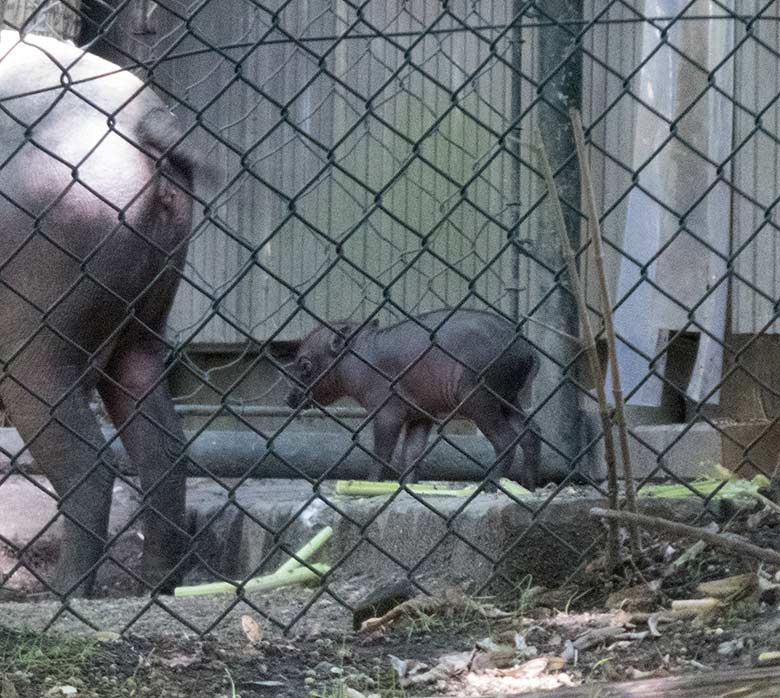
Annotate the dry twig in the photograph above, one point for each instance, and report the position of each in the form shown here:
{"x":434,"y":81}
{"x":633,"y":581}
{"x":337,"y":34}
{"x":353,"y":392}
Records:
{"x":727,"y":541}
{"x":609,"y":327}
{"x":589,"y":343}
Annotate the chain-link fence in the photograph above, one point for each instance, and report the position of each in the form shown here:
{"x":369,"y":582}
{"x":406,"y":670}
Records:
{"x":366,"y":175}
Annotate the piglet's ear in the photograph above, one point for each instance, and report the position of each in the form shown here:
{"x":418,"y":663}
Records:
{"x":339,"y":339}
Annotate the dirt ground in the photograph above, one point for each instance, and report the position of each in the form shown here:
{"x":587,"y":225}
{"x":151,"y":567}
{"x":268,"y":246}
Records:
{"x":600,"y":629}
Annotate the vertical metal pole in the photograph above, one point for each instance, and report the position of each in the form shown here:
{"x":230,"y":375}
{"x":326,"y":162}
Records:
{"x":560,"y":75}
{"x":514,"y":148}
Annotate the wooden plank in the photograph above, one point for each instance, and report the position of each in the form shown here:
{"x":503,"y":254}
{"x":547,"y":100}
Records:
{"x":745,"y":683}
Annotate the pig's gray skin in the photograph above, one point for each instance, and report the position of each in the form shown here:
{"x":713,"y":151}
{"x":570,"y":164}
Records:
{"x":440,"y":381}
{"x":91,"y":238}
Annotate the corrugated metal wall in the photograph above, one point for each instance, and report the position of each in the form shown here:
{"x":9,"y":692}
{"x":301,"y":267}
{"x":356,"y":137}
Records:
{"x":756,"y":288}
{"x":612,"y":53}
{"x":311,"y":140}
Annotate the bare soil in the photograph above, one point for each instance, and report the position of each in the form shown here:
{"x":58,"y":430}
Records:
{"x":161,"y":652}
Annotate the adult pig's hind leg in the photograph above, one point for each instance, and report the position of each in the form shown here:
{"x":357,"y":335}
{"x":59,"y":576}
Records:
{"x":486,"y":411}
{"x":135,"y":391}
{"x":46,"y":390}
{"x":530,"y":443}
{"x":415,"y":441}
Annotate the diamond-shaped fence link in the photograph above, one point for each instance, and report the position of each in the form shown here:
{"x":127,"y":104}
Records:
{"x":369,"y":220}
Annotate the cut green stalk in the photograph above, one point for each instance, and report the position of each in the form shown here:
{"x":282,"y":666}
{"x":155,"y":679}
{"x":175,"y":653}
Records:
{"x":298,"y":575}
{"x":306,"y":551}
{"x":367,"y":488}
{"x":729,"y":489}
{"x":291,"y":572}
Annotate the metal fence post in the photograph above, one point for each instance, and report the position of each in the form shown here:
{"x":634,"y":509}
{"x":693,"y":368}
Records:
{"x":559,"y":88}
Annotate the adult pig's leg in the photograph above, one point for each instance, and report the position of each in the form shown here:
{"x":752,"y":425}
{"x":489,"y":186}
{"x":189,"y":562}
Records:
{"x":415,"y":441}
{"x":486,"y":411}
{"x":387,"y":428}
{"x":530,"y":443}
{"x":46,"y":389}
{"x":135,"y":391}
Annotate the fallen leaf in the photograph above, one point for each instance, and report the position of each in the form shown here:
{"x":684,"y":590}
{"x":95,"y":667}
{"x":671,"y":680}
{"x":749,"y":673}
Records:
{"x":181,"y":661}
{"x":596,"y":636}
{"x":107,"y":636}
{"x":633,"y":636}
{"x":252,"y":629}
{"x":635,"y":598}
{"x":534,"y":668}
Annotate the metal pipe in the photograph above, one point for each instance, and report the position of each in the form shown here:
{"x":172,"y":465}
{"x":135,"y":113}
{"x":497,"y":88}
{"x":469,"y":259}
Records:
{"x":206,"y":410}
{"x":292,"y":454}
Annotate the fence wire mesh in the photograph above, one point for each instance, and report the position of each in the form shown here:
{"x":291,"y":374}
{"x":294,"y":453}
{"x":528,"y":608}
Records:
{"x":351,"y":163}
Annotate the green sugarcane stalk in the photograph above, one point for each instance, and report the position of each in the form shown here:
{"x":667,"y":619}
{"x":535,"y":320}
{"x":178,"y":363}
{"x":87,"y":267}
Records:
{"x":367,"y":488}
{"x":298,"y":575}
{"x":291,"y":572}
{"x":306,"y":551}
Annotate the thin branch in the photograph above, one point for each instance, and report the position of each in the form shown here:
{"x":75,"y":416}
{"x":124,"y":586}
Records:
{"x":727,"y":541}
{"x":589,"y":344}
{"x":609,"y":326}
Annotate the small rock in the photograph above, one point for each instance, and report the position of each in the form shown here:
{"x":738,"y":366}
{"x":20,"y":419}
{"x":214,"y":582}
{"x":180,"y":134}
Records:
{"x":569,"y":653}
{"x":7,"y":689}
{"x":731,"y":647}
{"x":361,"y":679}
{"x":323,"y":668}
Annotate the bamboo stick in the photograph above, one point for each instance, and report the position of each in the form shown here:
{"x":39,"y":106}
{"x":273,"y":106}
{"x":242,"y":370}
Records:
{"x":609,"y":326}
{"x":589,"y":344}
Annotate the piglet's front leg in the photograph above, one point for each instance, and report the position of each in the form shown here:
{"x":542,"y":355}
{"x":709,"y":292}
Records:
{"x":387,"y":427}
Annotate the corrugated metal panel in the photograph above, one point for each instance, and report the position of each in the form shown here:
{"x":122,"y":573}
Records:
{"x":47,"y":17}
{"x":309,"y":139}
{"x":756,"y":285}
{"x":612,"y":53}
{"x":337,"y":248}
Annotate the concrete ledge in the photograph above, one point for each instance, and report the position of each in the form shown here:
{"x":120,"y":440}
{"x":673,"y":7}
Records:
{"x":240,"y":533}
